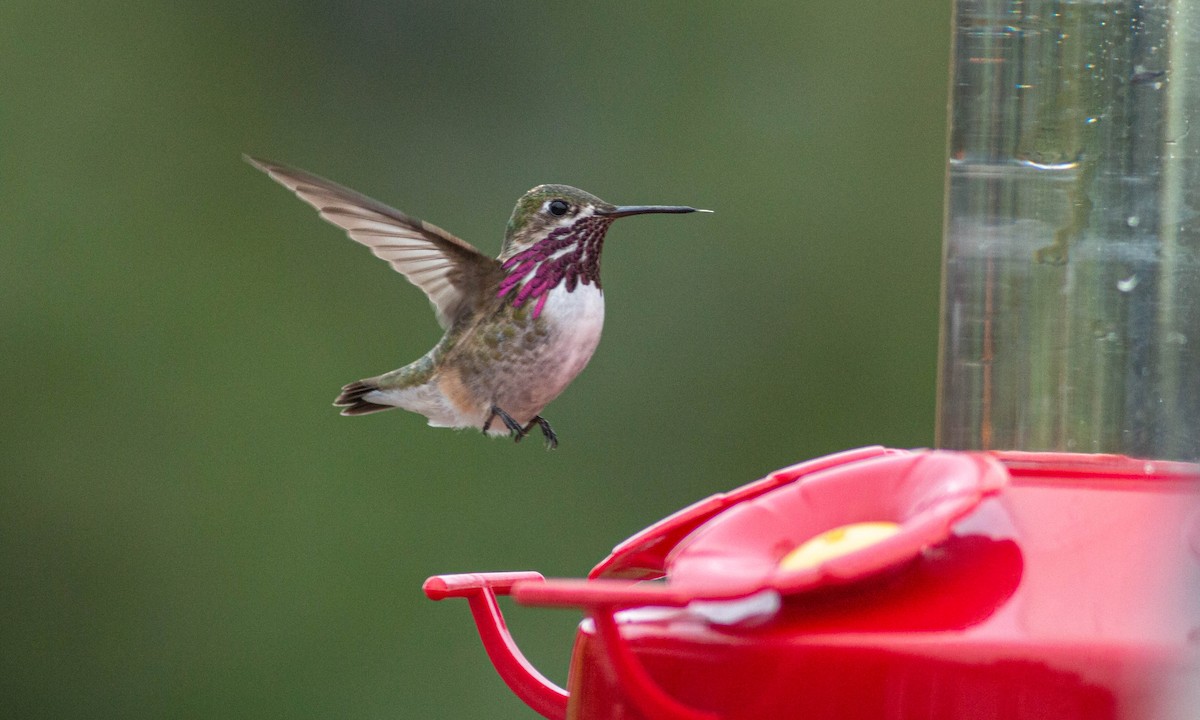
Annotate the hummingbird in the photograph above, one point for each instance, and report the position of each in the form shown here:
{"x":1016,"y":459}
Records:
{"x":518,"y":328}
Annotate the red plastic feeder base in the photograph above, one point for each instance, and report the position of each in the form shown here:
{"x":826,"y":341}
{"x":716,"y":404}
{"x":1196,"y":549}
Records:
{"x":883,"y":583}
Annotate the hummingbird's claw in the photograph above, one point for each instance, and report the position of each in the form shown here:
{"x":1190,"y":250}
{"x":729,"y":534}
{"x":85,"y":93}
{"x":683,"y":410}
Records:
{"x":518,"y":431}
{"x":547,"y":431}
{"x":512,"y":425}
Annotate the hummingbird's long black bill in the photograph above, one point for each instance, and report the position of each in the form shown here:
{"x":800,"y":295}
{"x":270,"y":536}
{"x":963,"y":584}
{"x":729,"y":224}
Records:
{"x":624,"y":210}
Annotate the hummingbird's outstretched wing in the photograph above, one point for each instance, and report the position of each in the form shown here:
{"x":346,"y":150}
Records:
{"x":450,"y":271}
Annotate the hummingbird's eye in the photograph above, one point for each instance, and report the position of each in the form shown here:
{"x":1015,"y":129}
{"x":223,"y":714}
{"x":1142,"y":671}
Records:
{"x":558,"y":207}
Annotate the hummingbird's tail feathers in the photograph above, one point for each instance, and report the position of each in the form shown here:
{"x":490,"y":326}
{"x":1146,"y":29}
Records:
{"x":351,"y":399}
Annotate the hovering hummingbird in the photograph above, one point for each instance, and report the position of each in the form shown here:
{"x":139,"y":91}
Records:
{"x":519,"y":327}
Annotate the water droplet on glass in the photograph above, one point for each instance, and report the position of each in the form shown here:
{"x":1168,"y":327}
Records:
{"x":1133,"y":221}
{"x":1128,"y":283}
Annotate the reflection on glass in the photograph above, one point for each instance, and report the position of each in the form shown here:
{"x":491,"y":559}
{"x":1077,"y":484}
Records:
{"x":1071,"y":296}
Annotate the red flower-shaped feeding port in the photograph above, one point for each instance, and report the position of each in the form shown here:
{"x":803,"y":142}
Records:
{"x":919,"y":495}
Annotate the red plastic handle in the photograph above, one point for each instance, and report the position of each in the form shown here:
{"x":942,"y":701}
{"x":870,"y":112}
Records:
{"x":480,"y":590}
{"x":601,"y":599}
{"x":647,"y":696}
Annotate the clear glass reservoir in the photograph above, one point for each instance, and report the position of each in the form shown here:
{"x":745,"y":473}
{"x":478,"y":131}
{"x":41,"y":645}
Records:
{"x":1071,"y":270}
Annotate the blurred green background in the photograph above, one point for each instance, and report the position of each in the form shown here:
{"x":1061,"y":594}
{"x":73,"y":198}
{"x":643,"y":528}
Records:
{"x":189,"y":530}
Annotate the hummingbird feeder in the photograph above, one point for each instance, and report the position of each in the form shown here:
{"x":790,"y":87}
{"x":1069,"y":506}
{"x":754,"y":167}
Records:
{"x":1044,"y":561}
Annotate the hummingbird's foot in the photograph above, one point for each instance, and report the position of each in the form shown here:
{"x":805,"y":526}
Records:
{"x":547,"y":431}
{"x":512,"y":425}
